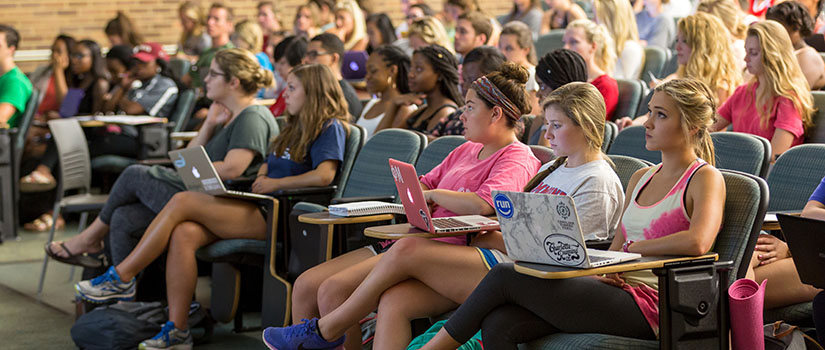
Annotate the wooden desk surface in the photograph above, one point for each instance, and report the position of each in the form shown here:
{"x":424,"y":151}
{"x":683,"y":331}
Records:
{"x":643,"y":263}
{"x":183,"y":135}
{"x":324,"y":218}
{"x":771,"y":223}
{"x":103,"y":120}
{"x":399,"y":231}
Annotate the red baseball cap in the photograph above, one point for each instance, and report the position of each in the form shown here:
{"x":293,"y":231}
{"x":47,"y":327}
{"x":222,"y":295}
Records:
{"x":149,"y":51}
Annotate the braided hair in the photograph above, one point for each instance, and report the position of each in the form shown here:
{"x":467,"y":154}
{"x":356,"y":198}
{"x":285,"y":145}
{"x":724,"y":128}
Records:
{"x":446,"y":66}
{"x":394,"y":56}
{"x":560,"y":67}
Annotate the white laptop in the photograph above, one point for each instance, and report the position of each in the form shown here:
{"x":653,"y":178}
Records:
{"x":543,"y":228}
{"x":198,"y":174}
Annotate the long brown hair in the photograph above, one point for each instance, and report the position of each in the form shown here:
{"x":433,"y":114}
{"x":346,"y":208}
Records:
{"x":324,"y":102}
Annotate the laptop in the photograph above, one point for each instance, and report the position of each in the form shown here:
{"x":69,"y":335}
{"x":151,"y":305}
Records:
{"x":71,"y":102}
{"x":806,"y":240}
{"x":354,"y":65}
{"x":198,"y":174}
{"x":544,"y":229}
{"x":418,"y":212}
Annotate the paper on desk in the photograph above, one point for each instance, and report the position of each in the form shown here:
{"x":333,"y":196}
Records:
{"x":770,"y":217}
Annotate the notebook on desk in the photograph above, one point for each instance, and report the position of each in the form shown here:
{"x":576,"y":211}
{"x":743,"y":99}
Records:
{"x":543,"y":228}
{"x":418,"y":210}
{"x":71,"y":102}
{"x":199,"y":175}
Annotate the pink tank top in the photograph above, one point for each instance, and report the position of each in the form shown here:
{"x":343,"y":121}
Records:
{"x":663,"y":218}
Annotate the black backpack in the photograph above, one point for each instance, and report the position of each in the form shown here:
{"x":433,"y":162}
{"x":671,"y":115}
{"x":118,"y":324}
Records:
{"x":124,"y":325}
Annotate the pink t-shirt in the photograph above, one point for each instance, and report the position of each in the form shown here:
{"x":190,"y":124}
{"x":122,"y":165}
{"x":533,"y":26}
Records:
{"x":740,"y":110}
{"x":508,"y":169}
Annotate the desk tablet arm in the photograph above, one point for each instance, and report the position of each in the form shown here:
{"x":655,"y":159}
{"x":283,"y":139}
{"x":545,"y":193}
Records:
{"x":239,"y":183}
{"x":389,"y":198}
{"x":156,"y":161}
{"x":307,"y":191}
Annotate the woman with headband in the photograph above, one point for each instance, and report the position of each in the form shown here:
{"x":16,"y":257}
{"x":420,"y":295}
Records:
{"x":419,"y":277}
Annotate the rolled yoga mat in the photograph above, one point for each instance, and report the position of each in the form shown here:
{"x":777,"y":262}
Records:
{"x":746,"y":306}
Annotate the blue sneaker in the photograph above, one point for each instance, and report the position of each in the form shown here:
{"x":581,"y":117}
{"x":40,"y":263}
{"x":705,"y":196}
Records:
{"x":169,"y":338}
{"x":299,"y":336}
{"x":105,"y":287}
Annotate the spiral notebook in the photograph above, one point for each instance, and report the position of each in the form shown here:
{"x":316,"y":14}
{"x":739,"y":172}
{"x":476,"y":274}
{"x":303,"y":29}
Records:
{"x":365,"y":208}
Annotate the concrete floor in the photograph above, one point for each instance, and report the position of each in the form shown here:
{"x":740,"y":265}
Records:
{"x":26,"y":323}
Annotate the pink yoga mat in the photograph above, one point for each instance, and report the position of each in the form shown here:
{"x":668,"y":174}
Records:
{"x":746,"y":301}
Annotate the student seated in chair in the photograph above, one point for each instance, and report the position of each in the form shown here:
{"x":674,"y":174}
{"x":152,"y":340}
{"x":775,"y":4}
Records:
{"x":702,"y":52}
{"x":418,"y":277}
{"x":556,"y":69}
{"x":776,"y":104}
{"x":307,"y":153}
{"x":235,"y":135}
{"x":674,"y":208}
{"x":772,"y":260}
{"x":798,"y":23}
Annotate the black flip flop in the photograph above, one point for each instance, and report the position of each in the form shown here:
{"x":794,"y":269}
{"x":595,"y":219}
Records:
{"x":73,"y":259}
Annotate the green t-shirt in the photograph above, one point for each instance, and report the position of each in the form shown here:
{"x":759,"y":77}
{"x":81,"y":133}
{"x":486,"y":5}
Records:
{"x":15,"y":89}
{"x":252,"y":129}
{"x":199,"y":69}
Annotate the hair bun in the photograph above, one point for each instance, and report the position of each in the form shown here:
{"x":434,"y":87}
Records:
{"x":513,"y":71}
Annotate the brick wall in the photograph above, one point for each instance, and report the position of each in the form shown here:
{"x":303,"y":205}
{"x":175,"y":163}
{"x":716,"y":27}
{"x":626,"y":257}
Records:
{"x":39,"y":21}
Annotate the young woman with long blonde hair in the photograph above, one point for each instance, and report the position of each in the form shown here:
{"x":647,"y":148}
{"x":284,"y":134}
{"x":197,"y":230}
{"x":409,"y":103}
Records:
{"x":776,"y":103}
{"x":734,"y":19}
{"x":617,"y":16}
{"x":703,"y":53}
{"x":350,"y":26}
{"x":427,"y":31}
{"x":594,"y":44}
{"x":193,"y":38}
{"x":512,"y":308}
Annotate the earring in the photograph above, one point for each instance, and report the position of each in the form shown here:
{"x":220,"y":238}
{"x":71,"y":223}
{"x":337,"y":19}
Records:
{"x":391,"y":82}
{"x":157,"y":70}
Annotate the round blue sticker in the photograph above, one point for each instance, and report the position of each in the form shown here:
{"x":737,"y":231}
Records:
{"x":504,"y":206}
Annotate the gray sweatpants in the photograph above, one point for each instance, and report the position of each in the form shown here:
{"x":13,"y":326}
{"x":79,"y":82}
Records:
{"x":135,"y":199}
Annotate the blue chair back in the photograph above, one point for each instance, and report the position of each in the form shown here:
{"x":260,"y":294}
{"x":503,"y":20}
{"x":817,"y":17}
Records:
{"x":544,"y":154}
{"x":436,"y":151}
{"x":655,"y":59}
{"x":549,"y":42}
{"x":355,"y":140}
{"x":610,"y":132}
{"x":626,"y":166}
{"x":795,"y":175}
{"x":370,"y":174}
{"x":738,"y":151}
{"x":817,"y":132}
{"x":630,"y":96}
{"x":631,"y":142}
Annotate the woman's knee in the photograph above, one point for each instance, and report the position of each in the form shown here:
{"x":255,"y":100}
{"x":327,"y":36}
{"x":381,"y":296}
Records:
{"x":187,"y":235}
{"x":333,"y":291}
{"x":305,"y":288}
{"x":405,"y":251}
{"x":395,"y":302}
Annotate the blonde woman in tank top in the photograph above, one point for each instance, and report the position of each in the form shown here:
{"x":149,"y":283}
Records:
{"x":673,"y":208}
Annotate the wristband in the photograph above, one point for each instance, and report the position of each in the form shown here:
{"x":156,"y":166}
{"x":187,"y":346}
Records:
{"x":626,"y":246}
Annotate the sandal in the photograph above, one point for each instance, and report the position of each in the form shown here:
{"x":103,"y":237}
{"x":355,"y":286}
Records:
{"x":44,"y":224}
{"x":73,"y":259}
{"x":37,"y":182}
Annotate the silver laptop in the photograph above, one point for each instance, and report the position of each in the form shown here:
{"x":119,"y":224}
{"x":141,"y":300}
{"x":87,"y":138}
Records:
{"x":198,"y":174}
{"x":543,"y":228}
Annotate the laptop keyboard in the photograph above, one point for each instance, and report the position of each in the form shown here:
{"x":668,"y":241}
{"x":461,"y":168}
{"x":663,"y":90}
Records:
{"x":448,"y":223}
{"x":597,"y":258}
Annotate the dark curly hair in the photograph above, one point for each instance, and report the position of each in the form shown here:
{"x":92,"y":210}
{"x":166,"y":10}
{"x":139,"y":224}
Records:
{"x":794,"y":16}
{"x":560,"y":67}
{"x":446,"y":67}
{"x":394,"y":56}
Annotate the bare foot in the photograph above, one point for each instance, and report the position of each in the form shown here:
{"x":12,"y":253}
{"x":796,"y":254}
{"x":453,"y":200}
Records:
{"x":77,"y":245}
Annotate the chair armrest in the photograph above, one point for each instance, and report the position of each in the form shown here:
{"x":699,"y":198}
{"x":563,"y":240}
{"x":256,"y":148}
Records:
{"x":240,"y":183}
{"x":156,"y":161}
{"x":389,"y":198}
{"x":305,"y":191}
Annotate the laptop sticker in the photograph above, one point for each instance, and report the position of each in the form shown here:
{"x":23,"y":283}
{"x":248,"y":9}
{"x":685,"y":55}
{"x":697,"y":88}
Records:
{"x":564,"y":250}
{"x":504,"y":206}
{"x":180,"y":162}
{"x":424,"y":217}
